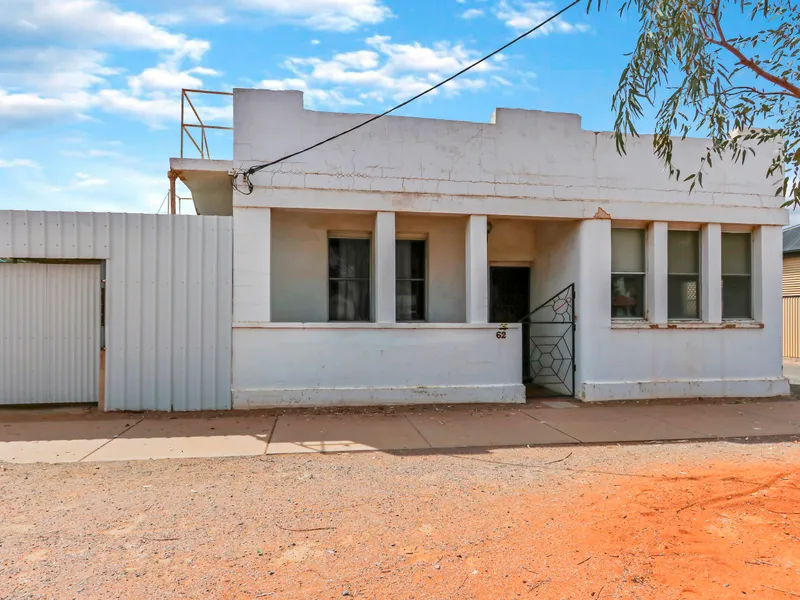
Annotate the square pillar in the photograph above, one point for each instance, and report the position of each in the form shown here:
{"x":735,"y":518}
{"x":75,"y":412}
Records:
{"x":592,"y":247}
{"x":252,"y":264}
{"x":657,"y":248}
{"x":384,"y":248}
{"x":768,"y":276}
{"x":711,"y":273}
{"x":477,"y":263}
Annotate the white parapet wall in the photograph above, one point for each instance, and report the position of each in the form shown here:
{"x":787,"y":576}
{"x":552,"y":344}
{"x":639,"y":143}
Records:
{"x":330,"y":364}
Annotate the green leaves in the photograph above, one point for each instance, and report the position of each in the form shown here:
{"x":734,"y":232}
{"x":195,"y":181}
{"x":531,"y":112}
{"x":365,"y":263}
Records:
{"x":739,"y":91}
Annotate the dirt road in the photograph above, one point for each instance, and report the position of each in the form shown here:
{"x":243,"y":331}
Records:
{"x":711,"y":520}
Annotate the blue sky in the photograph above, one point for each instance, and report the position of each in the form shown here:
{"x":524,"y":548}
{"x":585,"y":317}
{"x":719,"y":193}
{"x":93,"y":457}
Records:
{"x":90,"y":89}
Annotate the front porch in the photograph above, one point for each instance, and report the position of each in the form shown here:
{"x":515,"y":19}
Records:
{"x":358,"y":308}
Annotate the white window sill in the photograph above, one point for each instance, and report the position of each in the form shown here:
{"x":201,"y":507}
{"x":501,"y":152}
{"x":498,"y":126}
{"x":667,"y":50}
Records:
{"x":618,"y":324}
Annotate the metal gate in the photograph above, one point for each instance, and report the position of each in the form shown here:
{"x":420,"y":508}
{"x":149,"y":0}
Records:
{"x":548,"y":336}
{"x":49,"y":333}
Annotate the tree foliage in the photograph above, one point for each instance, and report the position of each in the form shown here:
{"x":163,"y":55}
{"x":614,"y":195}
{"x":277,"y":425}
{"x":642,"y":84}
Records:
{"x":729,"y":70}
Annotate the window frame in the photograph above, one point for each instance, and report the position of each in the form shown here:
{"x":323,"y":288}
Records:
{"x":413,"y":238}
{"x":700,"y":276}
{"x":750,"y":276}
{"x":350,"y":235}
{"x":643,"y":274}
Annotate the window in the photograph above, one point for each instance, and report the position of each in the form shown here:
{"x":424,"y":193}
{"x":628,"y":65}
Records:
{"x":627,"y":273}
{"x":410,"y":285}
{"x":683,"y":268}
{"x":348,"y":279}
{"x":737,"y":289}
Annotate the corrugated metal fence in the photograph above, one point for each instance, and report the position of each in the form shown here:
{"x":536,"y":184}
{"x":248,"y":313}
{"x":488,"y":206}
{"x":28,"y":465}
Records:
{"x":167,"y":305}
{"x":791,"y":326}
{"x":49,"y":333}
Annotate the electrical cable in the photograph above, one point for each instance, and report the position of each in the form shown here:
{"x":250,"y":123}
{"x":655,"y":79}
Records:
{"x":255,"y":169}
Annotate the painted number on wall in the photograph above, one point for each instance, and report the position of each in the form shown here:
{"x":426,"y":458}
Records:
{"x":501,"y":332}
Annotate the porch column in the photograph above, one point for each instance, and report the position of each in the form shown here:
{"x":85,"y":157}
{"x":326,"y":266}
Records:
{"x":657,"y":235}
{"x":477,"y":263}
{"x":711,"y":273}
{"x":252,"y":264}
{"x":768,"y":280}
{"x":384,"y":267}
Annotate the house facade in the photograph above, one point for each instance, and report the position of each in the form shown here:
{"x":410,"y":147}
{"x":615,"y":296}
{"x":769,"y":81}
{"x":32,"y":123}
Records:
{"x":423,"y":261}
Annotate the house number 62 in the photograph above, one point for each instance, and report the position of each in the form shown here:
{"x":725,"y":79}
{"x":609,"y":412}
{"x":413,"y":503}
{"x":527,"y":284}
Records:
{"x":501,"y":333}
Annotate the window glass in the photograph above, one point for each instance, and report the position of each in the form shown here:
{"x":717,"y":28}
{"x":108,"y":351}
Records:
{"x":737,"y":266}
{"x":684,"y":252}
{"x":410,"y":259}
{"x":627,"y":273}
{"x":627,"y":251}
{"x":349,"y":279}
{"x":683,"y":281}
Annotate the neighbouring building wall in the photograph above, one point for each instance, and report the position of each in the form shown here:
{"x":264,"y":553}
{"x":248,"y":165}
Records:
{"x":168,"y":299}
{"x":791,"y":306}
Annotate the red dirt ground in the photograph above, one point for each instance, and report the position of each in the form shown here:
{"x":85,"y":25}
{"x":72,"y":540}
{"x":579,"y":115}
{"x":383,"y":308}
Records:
{"x":716,"y":521}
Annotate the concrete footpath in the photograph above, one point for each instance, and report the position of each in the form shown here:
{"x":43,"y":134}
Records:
{"x":77,"y":435}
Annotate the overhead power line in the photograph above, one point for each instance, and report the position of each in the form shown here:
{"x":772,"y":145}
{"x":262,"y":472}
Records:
{"x":255,"y":169}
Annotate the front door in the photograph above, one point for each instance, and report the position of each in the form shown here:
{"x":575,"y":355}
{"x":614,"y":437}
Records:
{"x":509,"y":294}
{"x":510,"y":301}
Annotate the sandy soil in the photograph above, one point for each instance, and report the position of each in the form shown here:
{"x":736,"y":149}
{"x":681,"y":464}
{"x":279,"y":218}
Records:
{"x":712,"y":520}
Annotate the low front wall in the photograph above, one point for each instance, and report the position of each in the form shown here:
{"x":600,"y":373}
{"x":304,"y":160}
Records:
{"x":325,"y":364}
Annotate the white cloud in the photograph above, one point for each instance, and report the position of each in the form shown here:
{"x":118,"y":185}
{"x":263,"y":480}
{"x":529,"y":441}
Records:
{"x":84,"y":180}
{"x":153,"y":111}
{"x":30,"y":109}
{"x":472,"y":13}
{"x":386,"y":70}
{"x":121,"y":188}
{"x":162,"y":78}
{"x":521,"y":16}
{"x":50,"y":70}
{"x":336,"y":15}
{"x":18,"y":162}
{"x":95,"y":23}
{"x":193,"y":13}
{"x":66,"y":77}
{"x":91,"y":153}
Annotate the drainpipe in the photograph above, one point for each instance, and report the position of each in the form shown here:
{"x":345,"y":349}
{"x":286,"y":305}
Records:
{"x":173,"y":175}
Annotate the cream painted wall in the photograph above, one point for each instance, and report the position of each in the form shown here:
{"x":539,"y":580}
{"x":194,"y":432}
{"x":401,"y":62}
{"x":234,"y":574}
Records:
{"x":300,"y":261}
{"x":512,"y":240}
{"x":556,"y":264}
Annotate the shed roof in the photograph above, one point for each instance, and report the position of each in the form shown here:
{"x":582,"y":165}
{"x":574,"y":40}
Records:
{"x":791,"y":239}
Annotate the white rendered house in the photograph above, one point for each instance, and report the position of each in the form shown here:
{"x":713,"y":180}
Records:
{"x":400,"y":263}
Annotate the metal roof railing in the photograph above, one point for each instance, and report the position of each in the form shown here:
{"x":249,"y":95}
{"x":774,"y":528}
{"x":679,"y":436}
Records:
{"x":186,"y":128}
